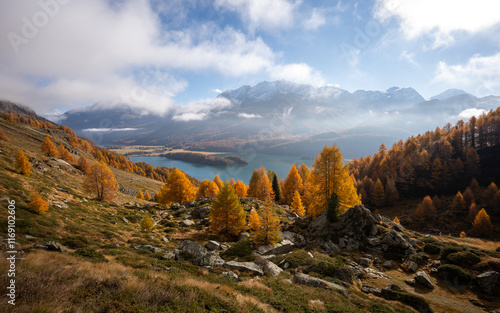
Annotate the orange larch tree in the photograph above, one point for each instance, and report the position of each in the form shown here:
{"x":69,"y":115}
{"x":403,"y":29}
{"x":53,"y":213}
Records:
{"x":240,"y":188}
{"x":65,"y":155}
{"x":378,"y":194}
{"x":48,"y":148}
{"x":265,"y":191}
{"x":269,"y":231}
{"x":140,"y":195}
{"x":293,"y":182}
{"x":482,"y":224}
{"x":296,"y":205}
{"x":218,"y":181}
{"x":459,"y":206}
{"x":147,"y":195}
{"x":100,"y":181}
{"x":83,"y":164}
{"x":330,"y":175}
{"x":227,"y":217}
{"x":23,"y":163}
{"x":253,"y":186}
{"x":426,"y":208}
{"x":207,"y":189}
{"x":38,"y":204}
{"x":178,"y":188}
{"x":254,"y":220}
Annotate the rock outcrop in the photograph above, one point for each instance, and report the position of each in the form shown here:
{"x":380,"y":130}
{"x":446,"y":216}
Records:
{"x":358,"y":228}
{"x":304,"y":279}
{"x":245,"y":267}
{"x":489,"y":282}
{"x":280,"y":248}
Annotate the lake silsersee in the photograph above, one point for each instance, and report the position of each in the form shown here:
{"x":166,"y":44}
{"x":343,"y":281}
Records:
{"x":278,"y":163}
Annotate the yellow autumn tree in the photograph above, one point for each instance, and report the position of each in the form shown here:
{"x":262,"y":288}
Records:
{"x":177,"y":189}
{"x":463,"y":234}
{"x":100,"y":181}
{"x":65,"y":155}
{"x":426,"y":208}
{"x":140,"y":195}
{"x":253,"y":186}
{"x":240,"y":188}
{"x":293,"y":182}
{"x":265,"y":191}
{"x":330,"y":175}
{"x":38,"y":204}
{"x":396,"y":220}
{"x":147,"y":224}
{"x":48,"y":148}
{"x":227,"y":217}
{"x":254,"y":220}
{"x":296,"y":205}
{"x":378,"y":194}
{"x":207,"y":189}
{"x":218,"y":181}
{"x":147,"y":196}
{"x":482,"y":226}
{"x":459,"y":206}
{"x":23,"y":163}
{"x":83,"y":164}
{"x":269,"y":230}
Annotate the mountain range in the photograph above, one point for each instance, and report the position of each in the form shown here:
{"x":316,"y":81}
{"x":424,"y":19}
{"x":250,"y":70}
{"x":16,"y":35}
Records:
{"x":281,"y":117}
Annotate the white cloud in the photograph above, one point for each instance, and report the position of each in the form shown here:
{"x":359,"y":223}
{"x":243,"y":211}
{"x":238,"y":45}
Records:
{"x":408,"y":57}
{"x":316,"y":20}
{"x":92,"y":51}
{"x":297,"y":72}
{"x":247,"y":115}
{"x":263,"y":14}
{"x":441,"y":20}
{"x":468,"y":113}
{"x":480,"y":73}
{"x":217,"y":90}
{"x":200,"y":110}
{"x":108,"y":130}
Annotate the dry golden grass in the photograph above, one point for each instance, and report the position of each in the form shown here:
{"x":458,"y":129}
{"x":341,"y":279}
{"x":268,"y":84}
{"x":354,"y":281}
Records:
{"x":255,"y":284}
{"x":317,"y":305}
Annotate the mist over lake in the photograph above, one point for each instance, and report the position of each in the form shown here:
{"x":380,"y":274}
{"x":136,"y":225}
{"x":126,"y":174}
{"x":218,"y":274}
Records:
{"x":279,"y":164}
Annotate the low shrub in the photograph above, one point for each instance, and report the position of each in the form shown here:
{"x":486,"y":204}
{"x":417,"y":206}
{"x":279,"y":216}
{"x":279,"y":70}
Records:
{"x":398,"y":294}
{"x":75,"y":242}
{"x":432,"y":248}
{"x":91,"y":255}
{"x":241,"y":248}
{"x":449,"y":249}
{"x":299,"y":258}
{"x":419,"y":258}
{"x":464,"y":258}
{"x":454,"y":274}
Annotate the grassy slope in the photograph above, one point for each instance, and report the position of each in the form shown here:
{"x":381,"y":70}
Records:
{"x":138,"y":281}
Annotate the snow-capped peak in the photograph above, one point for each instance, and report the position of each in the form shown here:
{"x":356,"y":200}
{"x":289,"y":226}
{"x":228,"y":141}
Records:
{"x":450,"y":93}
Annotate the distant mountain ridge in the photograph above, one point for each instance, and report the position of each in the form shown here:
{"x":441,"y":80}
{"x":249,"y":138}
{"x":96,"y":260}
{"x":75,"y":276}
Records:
{"x":281,"y":113}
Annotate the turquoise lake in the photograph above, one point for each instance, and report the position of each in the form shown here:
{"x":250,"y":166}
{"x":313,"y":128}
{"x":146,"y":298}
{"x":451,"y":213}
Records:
{"x":279,"y":164}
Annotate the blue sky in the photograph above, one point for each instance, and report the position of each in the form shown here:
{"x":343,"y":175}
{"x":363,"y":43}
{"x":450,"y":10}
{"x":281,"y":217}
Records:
{"x":65,"y":54}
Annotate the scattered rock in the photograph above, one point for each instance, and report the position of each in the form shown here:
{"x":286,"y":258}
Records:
{"x":212,"y":245}
{"x":29,"y":237}
{"x":370,"y":289}
{"x":373,"y":241}
{"x":424,"y":280}
{"x":411,"y":266}
{"x":394,"y":239}
{"x":168,"y":256}
{"x":201,"y":212}
{"x":293,"y":215}
{"x":165,"y":240}
{"x":330,"y":247}
{"x":246,"y":267}
{"x":410,"y":281}
{"x":231,"y":275}
{"x":211,"y":259}
{"x":190,"y":250}
{"x":190,"y":204}
{"x":297,"y":239}
{"x":125,"y":219}
{"x":49,"y":246}
{"x":304,"y":279}
{"x":186,"y":223}
{"x":489,"y":282}
{"x":365,"y":262}
{"x":271,"y":269}
{"x":388,"y":264}
{"x":148,"y":248}
{"x":280,"y":248}
{"x":243,"y":235}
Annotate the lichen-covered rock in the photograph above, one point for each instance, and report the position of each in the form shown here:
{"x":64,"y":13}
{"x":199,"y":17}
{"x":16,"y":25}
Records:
{"x":270,"y":268}
{"x":246,"y":267}
{"x":49,"y":246}
{"x":148,"y":248}
{"x":489,"y":282}
{"x":186,"y":223}
{"x":424,"y":280}
{"x":297,"y":239}
{"x":211,"y":259}
{"x":212,"y":245}
{"x":304,"y":279}
{"x":190,"y":250}
{"x":280,"y":248}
